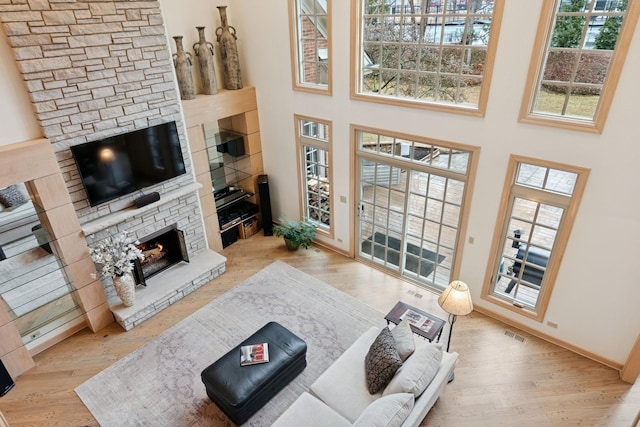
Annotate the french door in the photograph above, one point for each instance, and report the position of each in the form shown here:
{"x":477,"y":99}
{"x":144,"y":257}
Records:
{"x":411,"y":196}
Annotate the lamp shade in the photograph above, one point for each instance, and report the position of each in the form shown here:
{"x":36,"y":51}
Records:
{"x":456,"y":299}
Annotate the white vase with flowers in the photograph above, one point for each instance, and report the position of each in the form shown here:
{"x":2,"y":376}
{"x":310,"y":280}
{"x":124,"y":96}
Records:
{"x":115,"y":255}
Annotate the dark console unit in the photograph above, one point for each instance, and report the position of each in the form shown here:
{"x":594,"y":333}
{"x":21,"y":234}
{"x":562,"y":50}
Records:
{"x":232,"y":215}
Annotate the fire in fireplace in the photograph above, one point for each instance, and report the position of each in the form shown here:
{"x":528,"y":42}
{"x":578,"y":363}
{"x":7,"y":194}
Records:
{"x":161,"y":250}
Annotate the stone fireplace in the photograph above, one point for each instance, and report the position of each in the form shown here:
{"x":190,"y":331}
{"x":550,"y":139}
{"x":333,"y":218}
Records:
{"x":161,"y":250}
{"x":98,"y":69}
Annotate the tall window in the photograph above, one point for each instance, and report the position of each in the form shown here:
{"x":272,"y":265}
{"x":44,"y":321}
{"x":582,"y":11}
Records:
{"x":310,"y":28}
{"x":425,"y":53}
{"x":314,"y":151}
{"x":539,"y":202}
{"x":413,"y":196}
{"x":580,"y":49}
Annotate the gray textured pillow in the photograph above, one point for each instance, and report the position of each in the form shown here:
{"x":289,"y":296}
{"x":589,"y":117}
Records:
{"x":381,"y":362}
{"x":403,"y":335}
{"x":417,"y":372}
{"x":12,"y":196}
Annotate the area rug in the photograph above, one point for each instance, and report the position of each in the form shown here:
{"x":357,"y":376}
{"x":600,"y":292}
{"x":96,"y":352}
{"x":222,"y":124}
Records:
{"x":159,"y":384}
{"x":424,"y":257}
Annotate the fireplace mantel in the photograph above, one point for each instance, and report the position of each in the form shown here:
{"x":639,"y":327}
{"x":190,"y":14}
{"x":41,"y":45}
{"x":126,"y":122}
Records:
{"x":115,"y":218}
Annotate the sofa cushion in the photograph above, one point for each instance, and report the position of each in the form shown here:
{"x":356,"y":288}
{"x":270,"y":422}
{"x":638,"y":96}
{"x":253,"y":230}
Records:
{"x":12,"y":196}
{"x":310,"y":412}
{"x":388,"y":411}
{"x":382,"y":361}
{"x":343,"y":385}
{"x":417,"y":372}
{"x":403,"y":335}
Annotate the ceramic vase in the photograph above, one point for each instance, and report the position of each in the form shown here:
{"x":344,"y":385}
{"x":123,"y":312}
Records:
{"x":204,"y":52}
{"x":226,"y":37}
{"x":125,"y":287}
{"x":182,"y":62}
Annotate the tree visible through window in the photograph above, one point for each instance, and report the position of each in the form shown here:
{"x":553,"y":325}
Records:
{"x":577,"y":67}
{"x":428,"y":53}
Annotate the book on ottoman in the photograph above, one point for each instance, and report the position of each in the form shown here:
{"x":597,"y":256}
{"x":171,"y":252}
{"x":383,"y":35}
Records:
{"x":254,"y":354}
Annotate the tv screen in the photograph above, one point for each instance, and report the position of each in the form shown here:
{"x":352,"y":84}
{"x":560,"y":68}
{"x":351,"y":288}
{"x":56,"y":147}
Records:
{"x":122,"y":164}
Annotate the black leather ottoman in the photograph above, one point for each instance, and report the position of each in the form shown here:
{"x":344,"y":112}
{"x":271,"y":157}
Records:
{"x":239,"y":391}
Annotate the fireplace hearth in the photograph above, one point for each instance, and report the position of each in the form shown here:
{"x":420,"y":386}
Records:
{"x":161,"y":250}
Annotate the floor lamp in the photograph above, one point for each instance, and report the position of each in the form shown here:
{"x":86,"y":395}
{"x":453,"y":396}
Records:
{"x":455,"y":300}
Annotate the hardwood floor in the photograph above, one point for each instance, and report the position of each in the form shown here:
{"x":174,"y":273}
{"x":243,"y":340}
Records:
{"x":504,"y":377}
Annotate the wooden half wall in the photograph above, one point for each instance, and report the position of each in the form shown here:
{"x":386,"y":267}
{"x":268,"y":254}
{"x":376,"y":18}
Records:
{"x":34,"y":163}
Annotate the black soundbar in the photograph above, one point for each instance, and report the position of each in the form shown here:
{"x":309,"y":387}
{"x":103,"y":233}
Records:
{"x":147,"y":199}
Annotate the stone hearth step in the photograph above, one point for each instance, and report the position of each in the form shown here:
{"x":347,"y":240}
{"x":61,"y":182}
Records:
{"x":168,"y":287}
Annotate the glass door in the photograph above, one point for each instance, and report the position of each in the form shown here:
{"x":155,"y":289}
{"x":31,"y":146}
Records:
{"x":411,"y":197}
{"x":382,"y":214}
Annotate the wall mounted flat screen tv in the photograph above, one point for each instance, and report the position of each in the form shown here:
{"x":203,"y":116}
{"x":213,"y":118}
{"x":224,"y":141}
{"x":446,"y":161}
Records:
{"x":122,"y":164}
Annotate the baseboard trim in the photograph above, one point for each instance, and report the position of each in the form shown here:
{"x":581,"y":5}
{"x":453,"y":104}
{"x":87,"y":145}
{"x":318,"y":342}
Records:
{"x":589,"y":355}
{"x":331,"y":248}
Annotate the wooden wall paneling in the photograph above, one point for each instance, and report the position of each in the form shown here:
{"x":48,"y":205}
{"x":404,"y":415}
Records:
{"x":235,"y":111}
{"x":25,"y":161}
{"x":226,"y":103}
{"x":18,"y":361}
{"x":49,"y":191}
{"x":253,"y":144}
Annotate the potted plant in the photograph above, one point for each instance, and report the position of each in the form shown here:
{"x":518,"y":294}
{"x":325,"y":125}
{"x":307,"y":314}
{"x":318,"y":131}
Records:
{"x":295,"y":233}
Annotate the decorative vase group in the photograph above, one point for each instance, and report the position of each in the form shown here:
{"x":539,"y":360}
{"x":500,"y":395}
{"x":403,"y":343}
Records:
{"x":125,"y":287}
{"x":226,"y":37}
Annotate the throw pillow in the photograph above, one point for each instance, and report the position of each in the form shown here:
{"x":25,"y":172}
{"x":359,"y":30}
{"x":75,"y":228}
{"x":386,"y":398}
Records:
{"x":12,"y":196}
{"x":381,"y":362}
{"x":417,"y":372}
{"x":403,"y":336}
{"x":388,"y":411}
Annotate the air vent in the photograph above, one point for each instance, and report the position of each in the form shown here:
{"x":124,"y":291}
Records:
{"x":415,"y":294}
{"x":515,"y":336}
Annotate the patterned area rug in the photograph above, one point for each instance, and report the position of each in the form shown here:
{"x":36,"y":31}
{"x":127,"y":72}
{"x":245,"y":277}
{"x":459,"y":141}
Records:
{"x":159,"y":384}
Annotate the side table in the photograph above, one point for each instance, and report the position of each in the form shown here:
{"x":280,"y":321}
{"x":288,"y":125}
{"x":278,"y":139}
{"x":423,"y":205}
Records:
{"x":422,"y":323}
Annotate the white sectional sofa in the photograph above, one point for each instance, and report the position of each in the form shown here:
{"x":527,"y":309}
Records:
{"x":340,"y":397}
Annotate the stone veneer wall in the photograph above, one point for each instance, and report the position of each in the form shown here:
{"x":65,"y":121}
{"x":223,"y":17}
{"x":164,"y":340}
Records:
{"x":94,"y":69}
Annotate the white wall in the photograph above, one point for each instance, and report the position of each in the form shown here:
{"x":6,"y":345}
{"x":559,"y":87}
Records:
{"x":597,"y":295}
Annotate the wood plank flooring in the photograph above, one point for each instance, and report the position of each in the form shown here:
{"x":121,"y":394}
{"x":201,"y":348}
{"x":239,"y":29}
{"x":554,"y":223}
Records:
{"x":504,"y":377}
